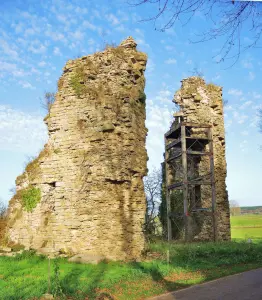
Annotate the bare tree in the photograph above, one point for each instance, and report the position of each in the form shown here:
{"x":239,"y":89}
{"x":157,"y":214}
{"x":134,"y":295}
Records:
{"x":235,"y":209}
{"x":48,"y":101}
{"x":230,"y":18}
{"x":152,"y":185}
{"x":2,"y":209}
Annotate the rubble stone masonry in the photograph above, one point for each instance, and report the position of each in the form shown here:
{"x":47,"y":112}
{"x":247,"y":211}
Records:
{"x":202,"y":103}
{"x":84,"y":193}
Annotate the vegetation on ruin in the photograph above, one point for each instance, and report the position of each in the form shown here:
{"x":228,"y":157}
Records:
{"x":79,"y":78}
{"x":33,"y":169}
{"x":26,"y":276}
{"x":30,"y":197}
{"x":117,"y":51}
{"x":77,"y":81}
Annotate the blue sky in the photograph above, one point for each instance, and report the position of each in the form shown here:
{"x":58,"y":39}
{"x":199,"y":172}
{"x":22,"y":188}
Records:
{"x":38,"y":37}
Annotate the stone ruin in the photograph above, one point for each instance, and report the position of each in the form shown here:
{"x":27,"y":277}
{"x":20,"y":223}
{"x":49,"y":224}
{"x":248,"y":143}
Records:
{"x":201,"y":103}
{"x":84,"y":193}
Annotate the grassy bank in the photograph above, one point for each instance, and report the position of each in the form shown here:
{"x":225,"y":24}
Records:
{"x":26,"y":277}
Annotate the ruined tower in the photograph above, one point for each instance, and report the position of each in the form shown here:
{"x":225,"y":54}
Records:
{"x":84,"y":193}
{"x":195,"y":165}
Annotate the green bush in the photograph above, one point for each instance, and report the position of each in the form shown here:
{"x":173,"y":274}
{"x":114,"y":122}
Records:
{"x":30,"y":198}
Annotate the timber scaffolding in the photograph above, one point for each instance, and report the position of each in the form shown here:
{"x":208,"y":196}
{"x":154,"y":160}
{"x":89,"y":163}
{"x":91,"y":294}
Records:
{"x":185,"y":146}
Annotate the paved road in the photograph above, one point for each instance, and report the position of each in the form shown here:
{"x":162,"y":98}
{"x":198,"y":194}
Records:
{"x":244,"y":286}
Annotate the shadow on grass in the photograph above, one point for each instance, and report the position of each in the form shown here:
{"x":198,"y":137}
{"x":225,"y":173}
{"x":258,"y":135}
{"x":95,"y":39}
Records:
{"x":73,"y":283}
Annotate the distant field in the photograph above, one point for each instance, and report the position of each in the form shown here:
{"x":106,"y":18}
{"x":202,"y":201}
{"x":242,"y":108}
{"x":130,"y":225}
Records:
{"x":246,"y":226}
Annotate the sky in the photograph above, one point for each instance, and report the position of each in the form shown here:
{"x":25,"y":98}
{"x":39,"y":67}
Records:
{"x":38,"y":37}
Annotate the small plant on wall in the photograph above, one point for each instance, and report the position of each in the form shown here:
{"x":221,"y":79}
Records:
{"x":30,"y":197}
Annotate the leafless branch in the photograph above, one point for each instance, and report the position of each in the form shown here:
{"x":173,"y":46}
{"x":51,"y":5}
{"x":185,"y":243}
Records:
{"x":48,"y":101}
{"x":152,"y":184}
{"x":229,"y":19}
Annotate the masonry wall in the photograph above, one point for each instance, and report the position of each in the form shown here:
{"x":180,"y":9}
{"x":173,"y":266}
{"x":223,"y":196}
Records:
{"x":91,"y":169}
{"x":202,"y":103}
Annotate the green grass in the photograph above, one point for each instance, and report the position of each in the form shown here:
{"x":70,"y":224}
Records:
{"x":246,"y":227}
{"x":26,"y":276}
{"x":246,"y":220}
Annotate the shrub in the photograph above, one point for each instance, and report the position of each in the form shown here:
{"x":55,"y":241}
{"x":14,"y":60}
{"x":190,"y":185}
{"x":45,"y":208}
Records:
{"x":30,"y":198}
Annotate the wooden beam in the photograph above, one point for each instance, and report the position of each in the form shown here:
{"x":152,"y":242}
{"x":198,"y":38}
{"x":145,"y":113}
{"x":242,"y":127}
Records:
{"x":189,"y":124}
{"x":174,"y":156}
{"x":168,"y":207}
{"x":175,"y":185}
{"x":172,"y":130}
{"x":185,"y":185}
{"x":191,"y":152}
{"x":172,"y":144}
{"x":213,"y":187}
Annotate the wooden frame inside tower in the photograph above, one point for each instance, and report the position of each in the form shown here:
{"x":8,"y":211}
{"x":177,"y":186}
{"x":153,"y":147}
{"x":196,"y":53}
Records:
{"x":190,"y":181}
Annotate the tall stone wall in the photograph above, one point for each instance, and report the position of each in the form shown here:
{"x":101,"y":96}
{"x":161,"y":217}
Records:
{"x":85,"y":187}
{"x":202,"y":103}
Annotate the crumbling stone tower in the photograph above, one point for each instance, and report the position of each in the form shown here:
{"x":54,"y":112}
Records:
{"x":195,"y":165}
{"x":84,"y":193}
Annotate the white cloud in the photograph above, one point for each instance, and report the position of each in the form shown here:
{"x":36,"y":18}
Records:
{"x":244,"y":132}
{"x":26,"y":85}
{"x":113,"y":19}
{"x":158,"y":122}
{"x":141,"y":42}
{"x":243,"y":145}
{"x":139,"y":32}
{"x":170,"y":48}
{"x":30,"y":31}
{"x":57,"y":51}
{"x":251,"y":76}
{"x":121,"y":28}
{"x":171,"y":61}
{"x":62,"y":18}
{"x":9,"y":67}
{"x":242,"y":119}
{"x":164,"y":96}
{"x":21,"y":131}
{"x":38,"y":49}
{"x":228,"y":123}
{"x":19,"y":73}
{"x":256,"y":95}
{"x":89,"y":25}
{"x":246,"y":104}
{"x":150,"y":66}
{"x":189,"y":62}
{"x":78,"y":35}
{"x":55,"y":36}
{"x":247,"y":64}
{"x":41,"y":63}
{"x":235,"y":92}
{"x":18,"y":27}
{"x":7,"y":49}
{"x":216,"y":77}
